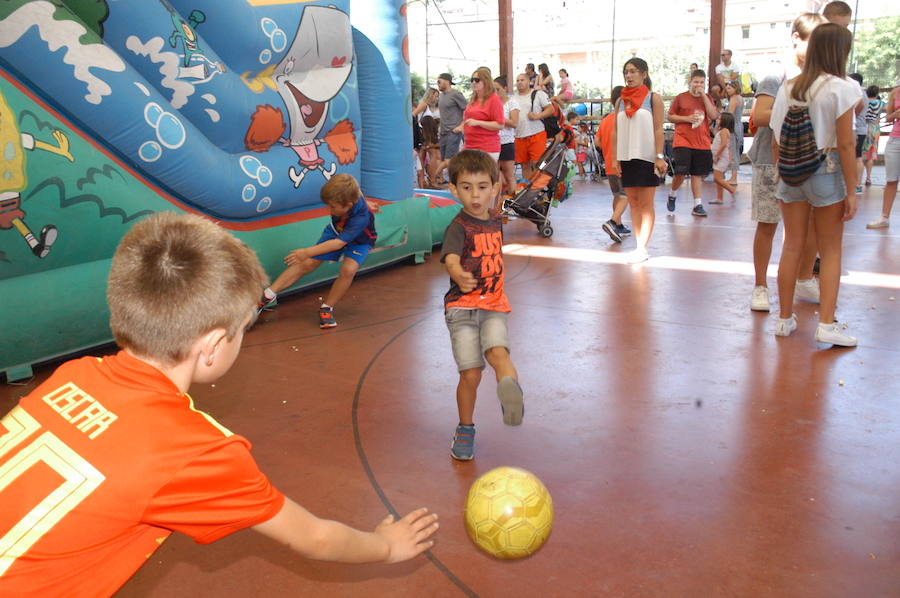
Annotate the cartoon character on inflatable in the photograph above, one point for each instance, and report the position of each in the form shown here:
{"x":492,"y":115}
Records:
{"x":13,"y":179}
{"x":307,"y":78}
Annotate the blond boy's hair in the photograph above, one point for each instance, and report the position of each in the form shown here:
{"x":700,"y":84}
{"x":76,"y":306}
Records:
{"x":342,"y":190}
{"x":473,"y":162}
{"x":805,"y":22}
{"x":837,"y":9}
{"x":176,"y":277}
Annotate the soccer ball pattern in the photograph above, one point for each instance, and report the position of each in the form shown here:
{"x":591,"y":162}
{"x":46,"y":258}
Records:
{"x":509,"y":513}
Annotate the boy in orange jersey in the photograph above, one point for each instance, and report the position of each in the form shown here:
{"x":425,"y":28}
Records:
{"x":603,"y":139}
{"x":100,"y":463}
{"x":475,"y":307}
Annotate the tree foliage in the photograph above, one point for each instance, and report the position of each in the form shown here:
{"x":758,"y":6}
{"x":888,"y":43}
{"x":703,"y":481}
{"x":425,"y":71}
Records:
{"x":417,"y":84}
{"x":876,"y":53}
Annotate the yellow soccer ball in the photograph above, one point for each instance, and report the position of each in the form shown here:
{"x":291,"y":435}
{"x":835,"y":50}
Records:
{"x":509,"y":513}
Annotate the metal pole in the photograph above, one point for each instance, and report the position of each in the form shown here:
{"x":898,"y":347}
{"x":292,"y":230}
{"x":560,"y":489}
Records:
{"x":612,"y":51}
{"x":427,"y":81}
{"x":504,"y":8}
{"x":853,"y":47}
{"x":716,"y":37}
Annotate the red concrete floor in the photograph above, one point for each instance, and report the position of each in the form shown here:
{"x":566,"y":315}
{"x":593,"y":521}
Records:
{"x":689,"y":452}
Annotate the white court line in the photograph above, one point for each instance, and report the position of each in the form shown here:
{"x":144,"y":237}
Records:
{"x":596,"y":256}
{"x":750,"y":226}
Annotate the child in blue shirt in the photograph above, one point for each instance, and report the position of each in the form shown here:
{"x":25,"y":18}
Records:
{"x":351,"y":234}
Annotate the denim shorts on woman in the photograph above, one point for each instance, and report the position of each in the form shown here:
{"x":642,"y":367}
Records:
{"x":824,"y":188}
{"x":892,"y":159}
{"x":474,"y":331}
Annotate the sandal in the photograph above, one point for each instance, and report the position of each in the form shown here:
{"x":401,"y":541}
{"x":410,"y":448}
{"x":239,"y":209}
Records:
{"x":868,"y":183}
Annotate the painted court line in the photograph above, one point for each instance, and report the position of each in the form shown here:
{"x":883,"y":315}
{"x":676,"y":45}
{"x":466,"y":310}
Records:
{"x":595,"y":256}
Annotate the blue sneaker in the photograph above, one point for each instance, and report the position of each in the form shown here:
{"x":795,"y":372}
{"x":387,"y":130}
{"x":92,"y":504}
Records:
{"x":612,"y":229}
{"x":463,"y":446}
{"x":624,"y":230}
{"x":670,"y":203}
{"x":511,"y":401}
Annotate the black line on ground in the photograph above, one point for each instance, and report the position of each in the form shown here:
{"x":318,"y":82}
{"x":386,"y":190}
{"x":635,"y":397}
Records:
{"x":371,"y":474}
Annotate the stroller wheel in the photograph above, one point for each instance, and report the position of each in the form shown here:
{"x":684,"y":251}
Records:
{"x":546,"y":231}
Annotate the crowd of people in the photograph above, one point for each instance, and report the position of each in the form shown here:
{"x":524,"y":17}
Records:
{"x":182,"y":291}
{"x":514,"y":126}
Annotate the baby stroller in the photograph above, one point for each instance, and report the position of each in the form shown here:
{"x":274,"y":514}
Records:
{"x":547,"y":186}
{"x":594,"y":163}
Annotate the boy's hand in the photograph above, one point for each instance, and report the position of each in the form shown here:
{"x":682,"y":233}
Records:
{"x":295,"y":257}
{"x":374,"y":207}
{"x":408,"y":537}
{"x":465,"y":281}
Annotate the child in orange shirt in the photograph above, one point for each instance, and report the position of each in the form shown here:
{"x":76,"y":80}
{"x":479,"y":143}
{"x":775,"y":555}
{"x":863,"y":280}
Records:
{"x":108,"y":456}
{"x":603,"y":139}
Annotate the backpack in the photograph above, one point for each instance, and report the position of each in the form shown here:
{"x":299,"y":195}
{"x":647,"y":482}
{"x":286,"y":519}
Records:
{"x":798,"y":155}
{"x":551,"y":123}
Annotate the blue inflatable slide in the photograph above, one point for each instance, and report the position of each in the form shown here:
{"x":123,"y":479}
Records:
{"x":239,"y":110}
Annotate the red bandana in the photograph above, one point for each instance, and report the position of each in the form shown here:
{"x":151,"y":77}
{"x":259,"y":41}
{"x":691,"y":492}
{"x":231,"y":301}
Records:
{"x":633,"y":97}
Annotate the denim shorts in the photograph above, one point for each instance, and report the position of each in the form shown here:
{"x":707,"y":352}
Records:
{"x":763,"y":202}
{"x":892,"y":159}
{"x":824,"y":188}
{"x":473,"y":332}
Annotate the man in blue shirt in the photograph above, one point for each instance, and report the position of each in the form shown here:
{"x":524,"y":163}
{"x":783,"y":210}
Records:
{"x":351,"y":234}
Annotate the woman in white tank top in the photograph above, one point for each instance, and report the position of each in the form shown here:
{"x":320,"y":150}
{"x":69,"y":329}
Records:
{"x":637,"y":144}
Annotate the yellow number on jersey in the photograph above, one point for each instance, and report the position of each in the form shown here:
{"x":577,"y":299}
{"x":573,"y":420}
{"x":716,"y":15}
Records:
{"x":80,"y":479}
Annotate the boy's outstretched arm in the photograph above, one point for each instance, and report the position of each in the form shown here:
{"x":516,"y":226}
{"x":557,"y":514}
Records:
{"x":298,"y":255}
{"x":464,"y":280}
{"x":325,"y":540}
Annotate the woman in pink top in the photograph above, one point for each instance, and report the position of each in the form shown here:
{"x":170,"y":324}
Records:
{"x":483,"y":117}
{"x":566,"y":91}
{"x":891,"y":160}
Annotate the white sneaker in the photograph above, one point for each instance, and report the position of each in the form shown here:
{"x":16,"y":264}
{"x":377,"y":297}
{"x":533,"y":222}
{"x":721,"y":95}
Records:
{"x":881,"y":222}
{"x":785,"y":326}
{"x":807,"y":290}
{"x":833,"y":334}
{"x":637,"y":256}
{"x":759,"y":300}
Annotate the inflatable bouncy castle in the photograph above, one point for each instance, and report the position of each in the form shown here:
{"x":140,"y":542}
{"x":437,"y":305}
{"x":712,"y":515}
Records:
{"x":238,"y":110}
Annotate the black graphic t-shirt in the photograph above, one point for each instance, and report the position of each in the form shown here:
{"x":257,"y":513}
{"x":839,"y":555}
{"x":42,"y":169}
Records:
{"x":479,"y":245}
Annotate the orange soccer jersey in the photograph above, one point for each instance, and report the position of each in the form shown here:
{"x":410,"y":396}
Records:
{"x":604,"y":138}
{"x":100,"y":464}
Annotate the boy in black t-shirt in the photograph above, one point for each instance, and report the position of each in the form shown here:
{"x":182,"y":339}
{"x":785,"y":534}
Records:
{"x":476,"y":306}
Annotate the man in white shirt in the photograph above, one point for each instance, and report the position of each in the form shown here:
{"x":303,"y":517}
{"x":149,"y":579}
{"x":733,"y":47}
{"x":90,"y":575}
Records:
{"x":727,"y":70}
{"x":531,"y":139}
